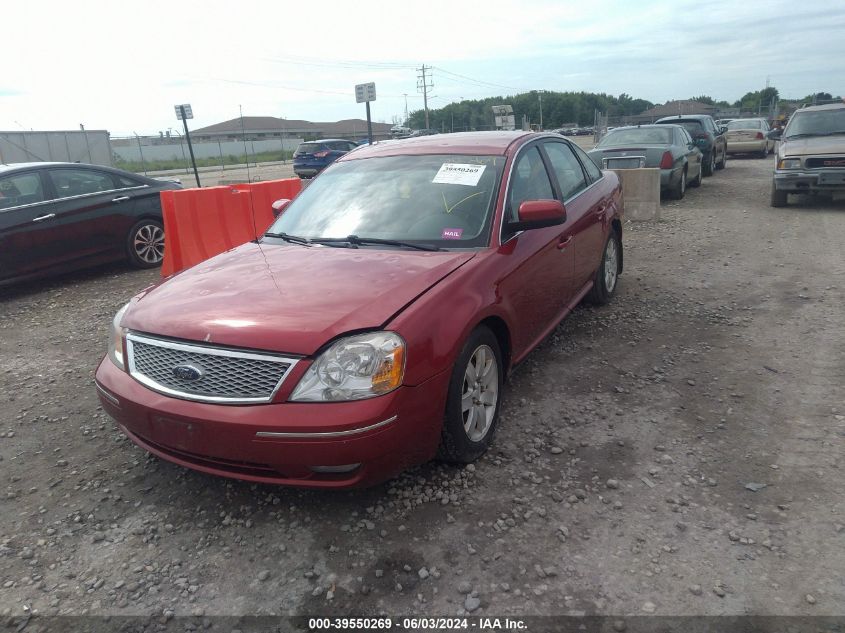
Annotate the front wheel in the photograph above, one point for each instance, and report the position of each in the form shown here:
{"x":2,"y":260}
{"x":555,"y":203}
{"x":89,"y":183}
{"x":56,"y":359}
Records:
{"x":145,"y":244}
{"x":607,"y":275}
{"x":722,"y":163}
{"x":779,"y":197}
{"x":472,"y":404}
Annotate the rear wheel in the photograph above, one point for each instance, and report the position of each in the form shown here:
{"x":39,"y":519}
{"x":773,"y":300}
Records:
{"x":696,"y":182}
{"x":764,"y":153}
{"x":145,"y":244}
{"x":472,"y":404}
{"x":779,"y":197}
{"x":607,"y":275}
{"x":709,"y":164}
{"x":677,"y":192}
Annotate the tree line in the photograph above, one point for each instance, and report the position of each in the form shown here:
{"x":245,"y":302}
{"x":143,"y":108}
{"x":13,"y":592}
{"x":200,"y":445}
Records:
{"x":565,"y":108}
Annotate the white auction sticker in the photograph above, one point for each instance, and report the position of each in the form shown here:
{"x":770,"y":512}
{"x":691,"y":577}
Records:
{"x":459,"y":174}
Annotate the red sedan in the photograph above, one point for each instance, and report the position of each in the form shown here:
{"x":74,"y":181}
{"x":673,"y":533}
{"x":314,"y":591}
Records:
{"x":371,"y":328}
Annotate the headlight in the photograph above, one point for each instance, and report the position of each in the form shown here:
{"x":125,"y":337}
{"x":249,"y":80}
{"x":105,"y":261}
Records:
{"x":789,"y":163}
{"x":116,"y":335}
{"x":354,"y":368}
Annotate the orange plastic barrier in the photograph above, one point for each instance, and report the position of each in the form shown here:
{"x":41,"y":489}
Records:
{"x":201,"y":223}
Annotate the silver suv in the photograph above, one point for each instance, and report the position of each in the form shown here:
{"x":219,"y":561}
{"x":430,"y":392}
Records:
{"x":811,"y":155}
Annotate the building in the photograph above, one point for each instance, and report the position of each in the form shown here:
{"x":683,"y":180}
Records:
{"x":255,"y":128}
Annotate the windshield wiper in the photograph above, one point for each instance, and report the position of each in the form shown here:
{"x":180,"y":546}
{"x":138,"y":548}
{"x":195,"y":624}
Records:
{"x":360,"y":241}
{"x":295,"y":239}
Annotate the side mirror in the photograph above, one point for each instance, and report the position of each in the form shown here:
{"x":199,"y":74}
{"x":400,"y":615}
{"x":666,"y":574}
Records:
{"x":775,"y":134}
{"x":723,"y":129}
{"x":279,"y":206}
{"x":538,"y":214}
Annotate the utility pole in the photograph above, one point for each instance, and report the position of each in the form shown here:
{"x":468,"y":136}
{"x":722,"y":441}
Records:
{"x":424,"y":86}
{"x":540,"y":97}
{"x":405,"y":122}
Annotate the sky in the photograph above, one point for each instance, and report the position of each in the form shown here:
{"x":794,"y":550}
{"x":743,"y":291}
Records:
{"x":122,"y":66}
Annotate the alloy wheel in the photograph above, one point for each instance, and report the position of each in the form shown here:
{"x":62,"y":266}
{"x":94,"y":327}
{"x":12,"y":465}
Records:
{"x":480,"y":393}
{"x":148,"y":243}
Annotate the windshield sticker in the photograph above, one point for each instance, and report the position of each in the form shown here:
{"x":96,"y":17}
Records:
{"x":459,"y":174}
{"x":451,"y":234}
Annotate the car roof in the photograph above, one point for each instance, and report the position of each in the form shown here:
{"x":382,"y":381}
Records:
{"x":472,"y":143}
{"x":826,"y":106}
{"x":10,"y":167}
{"x":684,"y":117}
{"x":327,"y":140}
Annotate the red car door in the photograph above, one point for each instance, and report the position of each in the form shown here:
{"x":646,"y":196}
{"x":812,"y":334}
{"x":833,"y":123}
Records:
{"x":592,"y":204}
{"x":537,"y":281}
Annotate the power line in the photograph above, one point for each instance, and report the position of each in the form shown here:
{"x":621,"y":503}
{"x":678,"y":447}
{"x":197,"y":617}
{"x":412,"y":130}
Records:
{"x":475,"y":81}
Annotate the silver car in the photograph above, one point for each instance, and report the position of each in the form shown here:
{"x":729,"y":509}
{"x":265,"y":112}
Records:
{"x":749,"y":136}
{"x":669,"y":148}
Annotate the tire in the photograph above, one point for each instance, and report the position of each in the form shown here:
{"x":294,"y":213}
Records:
{"x":710,"y":165}
{"x":779,"y":198}
{"x":145,"y":244}
{"x":607,"y":275}
{"x":472,"y":404}
{"x":697,"y":181}
{"x":723,"y":163}
{"x":765,"y":152}
{"x":677,"y":192}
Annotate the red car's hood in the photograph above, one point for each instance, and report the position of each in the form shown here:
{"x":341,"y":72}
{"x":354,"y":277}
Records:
{"x":288,"y":298}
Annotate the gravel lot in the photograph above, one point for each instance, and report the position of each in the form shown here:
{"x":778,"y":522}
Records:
{"x":677,"y":452}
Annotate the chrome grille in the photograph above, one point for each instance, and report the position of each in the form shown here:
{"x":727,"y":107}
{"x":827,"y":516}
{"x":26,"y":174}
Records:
{"x":208,"y":374}
{"x":825,"y":161}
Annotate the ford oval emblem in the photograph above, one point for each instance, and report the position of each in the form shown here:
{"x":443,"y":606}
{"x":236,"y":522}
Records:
{"x":190,"y":373}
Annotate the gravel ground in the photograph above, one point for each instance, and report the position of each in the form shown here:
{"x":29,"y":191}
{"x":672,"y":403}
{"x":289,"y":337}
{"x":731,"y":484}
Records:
{"x":677,"y":452}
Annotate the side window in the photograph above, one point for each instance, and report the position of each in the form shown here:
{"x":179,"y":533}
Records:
{"x":78,"y":182}
{"x":529,"y":181}
{"x":20,"y":189}
{"x":124,"y":181}
{"x":351,"y":146}
{"x":593,"y":172}
{"x":568,"y":170}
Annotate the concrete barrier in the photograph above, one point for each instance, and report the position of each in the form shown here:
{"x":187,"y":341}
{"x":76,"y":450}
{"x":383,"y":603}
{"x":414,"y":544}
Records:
{"x":641,"y":193}
{"x":201,"y":223}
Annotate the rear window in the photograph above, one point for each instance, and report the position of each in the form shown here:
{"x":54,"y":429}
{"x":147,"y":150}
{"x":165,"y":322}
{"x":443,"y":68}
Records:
{"x":745,"y":125}
{"x":650,"y":135}
{"x":309,"y":148}
{"x":693,"y":127}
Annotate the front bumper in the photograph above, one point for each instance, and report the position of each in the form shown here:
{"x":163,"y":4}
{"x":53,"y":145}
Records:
{"x":809,"y":181}
{"x":282,"y":443}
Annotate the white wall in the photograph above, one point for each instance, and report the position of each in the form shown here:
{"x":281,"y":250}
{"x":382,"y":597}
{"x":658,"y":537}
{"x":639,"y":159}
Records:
{"x":211,"y":149}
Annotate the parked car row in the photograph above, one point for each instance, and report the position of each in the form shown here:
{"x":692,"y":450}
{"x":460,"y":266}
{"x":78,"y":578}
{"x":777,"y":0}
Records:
{"x":664,"y":145}
{"x":372,"y":327}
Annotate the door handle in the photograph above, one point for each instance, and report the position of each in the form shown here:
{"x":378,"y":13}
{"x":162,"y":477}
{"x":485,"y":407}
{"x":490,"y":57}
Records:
{"x":49,"y":216}
{"x":563,"y":243}
{"x":601,"y":208}
{"x":120,"y":199}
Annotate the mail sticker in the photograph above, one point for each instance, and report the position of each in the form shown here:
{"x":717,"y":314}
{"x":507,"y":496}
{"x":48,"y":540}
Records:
{"x":451,"y":234}
{"x":459,"y":174}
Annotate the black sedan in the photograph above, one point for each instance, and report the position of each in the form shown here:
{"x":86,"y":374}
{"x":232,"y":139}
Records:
{"x":669,"y":148}
{"x":63,"y":216}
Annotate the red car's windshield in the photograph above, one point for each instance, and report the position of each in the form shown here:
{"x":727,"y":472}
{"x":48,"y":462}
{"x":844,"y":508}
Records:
{"x":445,"y":200}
